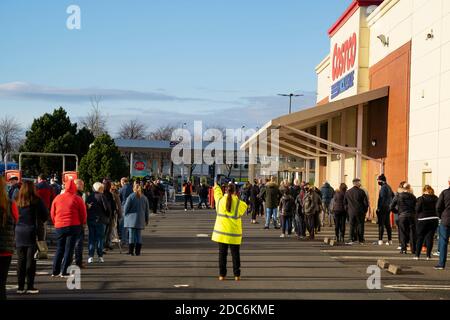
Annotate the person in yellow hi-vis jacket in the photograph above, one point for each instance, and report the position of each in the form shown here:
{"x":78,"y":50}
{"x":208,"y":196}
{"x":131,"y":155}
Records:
{"x":228,"y":228}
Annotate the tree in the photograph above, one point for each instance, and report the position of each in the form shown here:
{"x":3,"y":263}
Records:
{"x":10,"y":135}
{"x":102,"y":160}
{"x":132,"y":129}
{"x":54,"y":133}
{"x":163,"y":133}
{"x":95,"y":121}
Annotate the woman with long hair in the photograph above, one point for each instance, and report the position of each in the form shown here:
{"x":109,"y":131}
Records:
{"x":427,"y":220}
{"x":32,"y":213}
{"x":8,"y":218}
{"x":339,"y":213}
{"x":228,"y":228}
{"x":136,"y":213}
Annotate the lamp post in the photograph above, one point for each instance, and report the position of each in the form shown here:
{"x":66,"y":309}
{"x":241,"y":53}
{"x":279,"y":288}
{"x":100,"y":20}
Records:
{"x":290,"y":95}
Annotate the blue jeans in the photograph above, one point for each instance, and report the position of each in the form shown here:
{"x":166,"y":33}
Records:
{"x":135,"y":235}
{"x":271,"y":213}
{"x":286,"y":224}
{"x":300,"y":225}
{"x":66,"y":238}
{"x":444,"y":233}
{"x":96,"y":238}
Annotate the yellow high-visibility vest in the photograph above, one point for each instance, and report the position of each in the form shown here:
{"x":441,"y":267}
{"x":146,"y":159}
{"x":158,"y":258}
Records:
{"x":228,"y":227}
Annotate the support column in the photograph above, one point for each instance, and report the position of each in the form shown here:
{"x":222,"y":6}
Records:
{"x":342,"y":142}
{"x":329,"y":138}
{"x":252,"y":158}
{"x":131,"y":164}
{"x":307,"y":165}
{"x":359,"y":141}
{"x":317,"y":159}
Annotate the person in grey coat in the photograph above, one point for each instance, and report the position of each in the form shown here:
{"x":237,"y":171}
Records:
{"x":136,"y":215}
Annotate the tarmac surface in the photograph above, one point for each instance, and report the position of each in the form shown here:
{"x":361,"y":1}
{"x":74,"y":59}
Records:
{"x":179,"y":261}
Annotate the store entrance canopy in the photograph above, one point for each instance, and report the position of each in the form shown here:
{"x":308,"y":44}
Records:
{"x":294,"y":140}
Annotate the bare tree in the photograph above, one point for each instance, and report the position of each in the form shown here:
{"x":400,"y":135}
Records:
{"x":10,"y":135}
{"x":132,"y":129}
{"x":95,"y":120}
{"x":163,"y":133}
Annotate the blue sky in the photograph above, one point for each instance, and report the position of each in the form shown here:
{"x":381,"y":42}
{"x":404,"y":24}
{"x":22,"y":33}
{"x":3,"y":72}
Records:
{"x":164,"y":61}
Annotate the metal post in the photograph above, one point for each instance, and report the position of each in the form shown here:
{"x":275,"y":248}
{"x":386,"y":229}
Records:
{"x":329,"y":137}
{"x":131,"y":164}
{"x":290,"y":103}
{"x":64,"y":164}
{"x":359,"y":141}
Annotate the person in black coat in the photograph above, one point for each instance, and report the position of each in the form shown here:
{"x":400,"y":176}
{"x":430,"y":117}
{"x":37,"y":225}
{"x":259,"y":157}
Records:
{"x":427,"y":220}
{"x":356,"y":205}
{"x":32,"y":213}
{"x":383,"y":210}
{"x":404,"y":204}
{"x":98,"y":217}
{"x":339,"y":212}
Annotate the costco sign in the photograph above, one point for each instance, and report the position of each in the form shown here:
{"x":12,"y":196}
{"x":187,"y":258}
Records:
{"x":344,"y":58}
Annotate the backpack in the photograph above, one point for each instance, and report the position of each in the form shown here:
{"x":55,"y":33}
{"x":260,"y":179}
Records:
{"x":308,"y":204}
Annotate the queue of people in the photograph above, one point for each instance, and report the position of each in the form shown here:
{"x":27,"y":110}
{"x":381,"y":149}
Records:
{"x":110,"y":212}
{"x":304,"y":209}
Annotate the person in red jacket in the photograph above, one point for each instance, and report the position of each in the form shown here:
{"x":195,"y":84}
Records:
{"x":68,"y":213}
{"x":47,"y":194}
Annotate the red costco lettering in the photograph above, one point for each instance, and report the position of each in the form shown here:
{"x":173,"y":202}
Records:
{"x":344,"y":57}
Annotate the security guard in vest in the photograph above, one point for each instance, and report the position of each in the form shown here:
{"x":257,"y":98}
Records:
{"x":228,"y":228}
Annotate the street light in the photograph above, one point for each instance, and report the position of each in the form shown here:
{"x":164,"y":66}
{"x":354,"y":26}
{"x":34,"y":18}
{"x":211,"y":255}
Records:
{"x":290,"y":95}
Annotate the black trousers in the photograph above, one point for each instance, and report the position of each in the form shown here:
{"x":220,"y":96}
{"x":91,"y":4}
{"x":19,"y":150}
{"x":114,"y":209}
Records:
{"x":155,"y":205}
{"x":407,"y":225}
{"x":384,"y":221}
{"x":254,"y":205}
{"x":356,"y":227}
{"x":188,"y":197}
{"x":5,"y":262}
{"x":26,"y":267}
{"x":235,"y":254}
{"x":339,"y":225}
{"x":79,"y":248}
{"x":425,"y":234}
{"x":310,"y":224}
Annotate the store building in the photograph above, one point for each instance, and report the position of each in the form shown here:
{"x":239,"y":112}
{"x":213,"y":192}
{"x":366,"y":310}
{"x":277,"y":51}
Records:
{"x":383,"y":100}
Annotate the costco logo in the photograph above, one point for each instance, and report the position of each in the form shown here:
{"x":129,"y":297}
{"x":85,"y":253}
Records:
{"x":344,"y":58}
{"x":139,"y":165}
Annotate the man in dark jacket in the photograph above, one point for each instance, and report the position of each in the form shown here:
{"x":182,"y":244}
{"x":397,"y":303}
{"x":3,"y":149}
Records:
{"x":356,"y":204}
{"x":327,"y":193}
{"x":443,"y":209}
{"x":254,"y":200}
{"x":383,"y":210}
{"x":124,"y":193}
{"x":203,"y":195}
{"x":271,"y":196}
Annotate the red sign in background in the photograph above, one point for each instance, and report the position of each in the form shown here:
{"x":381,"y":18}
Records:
{"x":139,"y":165}
{"x":344,"y":57}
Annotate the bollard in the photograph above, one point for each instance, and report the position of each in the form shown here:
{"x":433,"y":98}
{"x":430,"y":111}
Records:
{"x":383,"y":264}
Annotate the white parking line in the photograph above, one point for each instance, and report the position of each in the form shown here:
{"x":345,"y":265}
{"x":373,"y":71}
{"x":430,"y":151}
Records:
{"x":372,"y":258}
{"x":418,"y":286}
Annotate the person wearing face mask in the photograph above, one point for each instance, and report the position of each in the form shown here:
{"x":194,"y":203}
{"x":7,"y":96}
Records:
{"x":383,"y":210}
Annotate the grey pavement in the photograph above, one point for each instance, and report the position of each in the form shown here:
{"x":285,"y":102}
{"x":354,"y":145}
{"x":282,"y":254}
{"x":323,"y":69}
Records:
{"x":178,"y":262}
